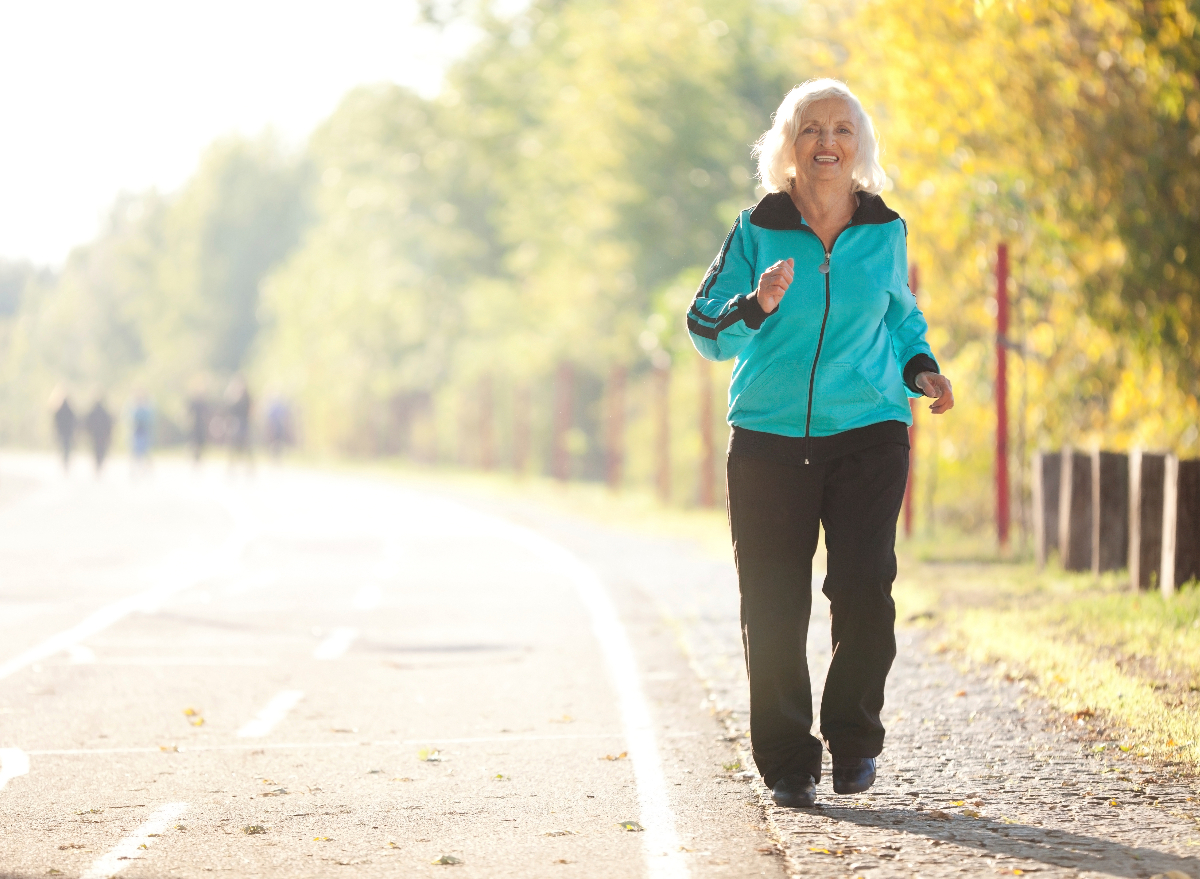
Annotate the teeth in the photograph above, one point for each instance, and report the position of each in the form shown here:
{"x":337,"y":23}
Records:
{"x":826,"y":158}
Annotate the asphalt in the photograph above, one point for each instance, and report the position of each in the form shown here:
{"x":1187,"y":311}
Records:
{"x":296,"y":673}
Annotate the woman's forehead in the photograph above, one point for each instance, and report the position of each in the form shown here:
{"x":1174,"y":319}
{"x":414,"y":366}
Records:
{"x":835,"y":109}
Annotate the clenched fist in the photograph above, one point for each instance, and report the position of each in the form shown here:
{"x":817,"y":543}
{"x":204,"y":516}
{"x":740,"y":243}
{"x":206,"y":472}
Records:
{"x":773,"y":284}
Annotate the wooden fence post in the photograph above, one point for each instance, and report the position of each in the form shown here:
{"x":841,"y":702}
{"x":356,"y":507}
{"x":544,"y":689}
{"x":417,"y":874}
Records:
{"x":1166,"y":576}
{"x":520,"y":429}
{"x":1110,"y":511}
{"x":662,"y":440}
{"x":1047,"y":467}
{"x":1181,"y":524}
{"x":614,"y":440}
{"x":487,"y":451}
{"x":1146,"y":473}
{"x":1075,"y":511}
{"x":564,"y":404}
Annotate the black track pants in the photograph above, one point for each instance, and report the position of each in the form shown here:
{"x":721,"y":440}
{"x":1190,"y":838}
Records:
{"x":774,"y":512}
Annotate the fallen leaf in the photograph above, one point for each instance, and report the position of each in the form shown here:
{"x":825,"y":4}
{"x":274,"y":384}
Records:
{"x":820,"y":851}
{"x":429,"y":755}
{"x":1126,"y":748}
{"x":404,"y":778}
{"x":959,"y":803}
{"x":197,"y":721}
{"x":144,"y":847}
{"x":735,"y":766}
{"x":392,"y":845}
{"x":190,"y":712}
{"x":562,"y":861}
{"x":961,"y":693}
{"x":970,"y":813}
{"x":70,"y":845}
{"x":278,"y":792}
{"x":268,"y":781}
{"x":559,"y":833}
{"x":499,"y":776}
{"x":169,"y":748}
{"x":630,"y":825}
{"x":322,"y":839}
{"x":1113,"y":803}
{"x":253,"y":829}
{"x":566,"y":718}
{"x":1084,"y":714}
{"x":620,"y":756}
{"x":446,"y":860}
{"x":53,"y":872}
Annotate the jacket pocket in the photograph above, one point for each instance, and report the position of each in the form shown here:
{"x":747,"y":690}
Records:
{"x":777,"y":396}
{"x":842,"y":394}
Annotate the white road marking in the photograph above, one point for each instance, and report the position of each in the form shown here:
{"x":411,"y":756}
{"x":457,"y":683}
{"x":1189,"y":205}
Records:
{"x":80,"y":654}
{"x":336,"y":644}
{"x":368,"y":597}
{"x":183,"y":572}
{"x":13,"y":762}
{"x":157,"y":661}
{"x":273,"y":712}
{"x":661,"y":839}
{"x":128,"y":849}
{"x":258,"y":746}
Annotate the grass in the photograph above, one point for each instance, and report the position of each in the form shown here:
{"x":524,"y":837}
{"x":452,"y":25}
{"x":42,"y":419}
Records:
{"x":1127,"y":664}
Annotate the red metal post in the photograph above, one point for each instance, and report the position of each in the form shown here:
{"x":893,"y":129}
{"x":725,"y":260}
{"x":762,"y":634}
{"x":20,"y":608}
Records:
{"x":1002,"y":394}
{"x":707,"y":463}
{"x":914,"y":284}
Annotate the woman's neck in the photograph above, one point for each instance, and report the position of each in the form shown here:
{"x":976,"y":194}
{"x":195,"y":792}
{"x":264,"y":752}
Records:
{"x":826,"y":209}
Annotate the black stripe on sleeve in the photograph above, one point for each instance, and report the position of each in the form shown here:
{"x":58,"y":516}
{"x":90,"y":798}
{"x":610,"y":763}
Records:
{"x":719,"y":263}
{"x":916,"y":365}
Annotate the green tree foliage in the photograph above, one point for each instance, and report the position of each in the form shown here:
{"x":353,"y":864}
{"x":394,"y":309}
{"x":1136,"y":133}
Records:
{"x":167,"y":291}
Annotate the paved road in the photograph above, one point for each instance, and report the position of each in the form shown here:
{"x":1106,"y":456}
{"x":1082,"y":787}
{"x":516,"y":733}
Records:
{"x":314,"y":675}
{"x":304,"y":674}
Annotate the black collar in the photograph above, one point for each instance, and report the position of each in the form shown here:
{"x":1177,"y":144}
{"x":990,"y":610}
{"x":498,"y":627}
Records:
{"x":778,"y":211}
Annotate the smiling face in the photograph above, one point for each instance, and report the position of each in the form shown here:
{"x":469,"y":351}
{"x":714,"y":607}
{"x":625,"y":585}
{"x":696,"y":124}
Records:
{"x":827,"y":146}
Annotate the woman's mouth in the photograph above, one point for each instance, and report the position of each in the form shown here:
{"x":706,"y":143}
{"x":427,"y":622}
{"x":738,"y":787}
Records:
{"x":826,"y":159}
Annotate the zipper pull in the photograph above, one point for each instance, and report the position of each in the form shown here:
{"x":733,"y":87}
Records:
{"x":824,"y":267}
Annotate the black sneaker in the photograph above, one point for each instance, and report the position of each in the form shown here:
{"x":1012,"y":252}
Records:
{"x":795,"y":792}
{"x":853,"y":775}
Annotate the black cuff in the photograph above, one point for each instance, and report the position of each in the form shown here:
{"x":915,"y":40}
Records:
{"x":916,"y":365}
{"x":752,"y":312}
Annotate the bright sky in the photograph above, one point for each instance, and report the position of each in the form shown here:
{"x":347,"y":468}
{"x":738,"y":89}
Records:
{"x":100,"y":97}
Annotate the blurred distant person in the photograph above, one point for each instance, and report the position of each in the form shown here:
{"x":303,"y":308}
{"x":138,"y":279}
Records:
{"x":810,"y":294}
{"x":99,"y":424}
{"x":279,"y":425}
{"x":142,"y":432}
{"x":64,"y":424}
{"x":237,"y":422}
{"x":200,"y":412}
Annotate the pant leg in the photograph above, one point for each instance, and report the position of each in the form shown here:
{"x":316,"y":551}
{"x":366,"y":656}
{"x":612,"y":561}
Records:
{"x":774,"y":514}
{"x":862,"y":498}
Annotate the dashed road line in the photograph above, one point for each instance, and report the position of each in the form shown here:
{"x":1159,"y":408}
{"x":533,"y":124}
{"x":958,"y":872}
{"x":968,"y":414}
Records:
{"x":182,"y":573}
{"x":13,"y":763}
{"x":273,"y":712}
{"x":129,"y":849}
{"x":336,"y":644}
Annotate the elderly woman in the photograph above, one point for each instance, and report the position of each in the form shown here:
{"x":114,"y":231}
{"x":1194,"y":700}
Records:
{"x":810,"y":295}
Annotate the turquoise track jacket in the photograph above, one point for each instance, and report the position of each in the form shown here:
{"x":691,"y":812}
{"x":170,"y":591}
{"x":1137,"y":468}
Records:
{"x":847,"y":340}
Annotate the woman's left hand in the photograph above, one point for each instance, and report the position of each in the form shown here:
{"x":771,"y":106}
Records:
{"x":935,"y":385}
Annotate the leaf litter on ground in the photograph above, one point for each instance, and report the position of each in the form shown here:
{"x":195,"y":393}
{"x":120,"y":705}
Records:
{"x":632,"y":826}
{"x":446,"y":861}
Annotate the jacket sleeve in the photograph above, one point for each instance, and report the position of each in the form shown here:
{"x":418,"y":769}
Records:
{"x":723,"y":316}
{"x":906,"y":325}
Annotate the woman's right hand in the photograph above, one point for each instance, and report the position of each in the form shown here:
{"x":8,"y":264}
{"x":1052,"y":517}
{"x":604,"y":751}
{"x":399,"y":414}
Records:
{"x":773,"y":284}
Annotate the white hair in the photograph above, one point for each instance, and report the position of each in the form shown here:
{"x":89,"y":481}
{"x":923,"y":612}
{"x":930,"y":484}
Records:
{"x":775,"y":150}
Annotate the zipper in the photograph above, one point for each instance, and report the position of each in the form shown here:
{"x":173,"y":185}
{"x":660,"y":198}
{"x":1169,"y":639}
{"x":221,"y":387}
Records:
{"x":812,"y":378}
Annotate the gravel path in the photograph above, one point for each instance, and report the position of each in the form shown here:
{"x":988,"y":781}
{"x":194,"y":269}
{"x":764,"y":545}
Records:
{"x":978,"y":776}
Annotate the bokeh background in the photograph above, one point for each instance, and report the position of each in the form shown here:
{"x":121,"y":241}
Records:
{"x":488,"y":268}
